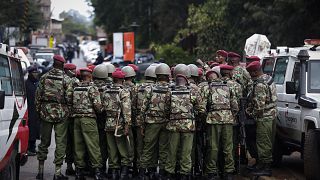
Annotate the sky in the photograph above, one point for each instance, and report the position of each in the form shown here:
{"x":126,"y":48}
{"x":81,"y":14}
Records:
{"x":59,"y":6}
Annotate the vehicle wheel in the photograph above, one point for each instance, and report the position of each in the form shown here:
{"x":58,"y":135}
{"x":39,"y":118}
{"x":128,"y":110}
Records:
{"x":10,"y":171}
{"x":312,"y":154}
{"x":277,"y":151}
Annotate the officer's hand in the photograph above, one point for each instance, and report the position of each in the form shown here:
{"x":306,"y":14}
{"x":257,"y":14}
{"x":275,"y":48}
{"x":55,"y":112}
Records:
{"x":126,"y":130}
{"x":199,"y":61}
{"x":142,"y":131}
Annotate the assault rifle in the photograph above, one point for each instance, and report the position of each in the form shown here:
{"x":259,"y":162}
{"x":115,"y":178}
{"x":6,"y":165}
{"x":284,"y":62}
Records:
{"x":242,"y":148}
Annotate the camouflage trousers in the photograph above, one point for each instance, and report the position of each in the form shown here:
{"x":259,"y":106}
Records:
{"x":70,"y":142}
{"x":182,"y":141}
{"x":219,"y":134}
{"x":86,"y":138}
{"x":264,"y":139}
{"x":120,"y":150}
{"x":138,"y":142}
{"x":60,"y":130}
{"x":155,"y":146}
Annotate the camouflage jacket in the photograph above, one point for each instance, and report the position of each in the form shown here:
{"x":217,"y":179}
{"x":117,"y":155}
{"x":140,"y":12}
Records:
{"x":262,"y":98}
{"x":86,"y":100}
{"x":235,"y":87}
{"x":242,"y":76}
{"x":183,"y":102}
{"x":132,"y":88}
{"x":53,"y":95}
{"x":156,"y":104}
{"x":117,"y":104}
{"x":140,"y":98}
{"x":219,"y":103}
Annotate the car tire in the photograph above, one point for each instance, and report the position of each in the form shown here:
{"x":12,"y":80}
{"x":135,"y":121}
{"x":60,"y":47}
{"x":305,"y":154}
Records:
{"x":277,"y":151}
{"x":10,"y":171}
{"x":312,"y":154}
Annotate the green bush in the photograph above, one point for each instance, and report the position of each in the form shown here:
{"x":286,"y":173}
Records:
{"x":172,"y":55}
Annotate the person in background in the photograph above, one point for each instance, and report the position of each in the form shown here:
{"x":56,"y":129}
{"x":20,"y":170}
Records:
{"x":34,"y":120}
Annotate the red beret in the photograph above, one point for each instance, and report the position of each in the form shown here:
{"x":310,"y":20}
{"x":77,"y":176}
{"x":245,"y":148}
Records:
{"x":78,"y":73}
{"x":135,"y":68}
{"x":226,"y":67}
{"x":222,"y":53}
{"x":70,"y":66}
{"x":118,"y":69}
{"x":118,"y":74}
{"x":200,"y":71}
{"x":254,"y":66}
{"x":59,"y":58}
{"x":214,"y":64}
{"x":233,"y":54}
{"x":91,"y":67}
{"x":253,"y":58}
{"x":85,"y":69}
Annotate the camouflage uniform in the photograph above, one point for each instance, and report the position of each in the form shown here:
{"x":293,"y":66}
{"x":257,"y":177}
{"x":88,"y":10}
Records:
{"x":117,"y":104}
{"x":262,"y":107}
{"x":86,"y":102}
{"x":220,"y":102}
{"x":181,"y":126}
{"x":155,"y":110}
{"x":242,"y":76}
{"x":101,"y":121}
{"x":139,"y":119}
{"x":70,"y":123}
{"x":53,"y":95}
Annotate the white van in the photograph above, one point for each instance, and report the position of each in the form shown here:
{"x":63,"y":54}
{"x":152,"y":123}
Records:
{"x":14,"y":131}
{"x":297,"y":78}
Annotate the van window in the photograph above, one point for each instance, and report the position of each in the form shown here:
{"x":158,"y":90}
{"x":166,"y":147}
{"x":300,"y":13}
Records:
{"x":5,"y":75}
{"x":313,"y":76}
{"x":280,"y":70}
{"x":17,"y":78}
{"x":267,"y":65}
{"x":296,"y":74}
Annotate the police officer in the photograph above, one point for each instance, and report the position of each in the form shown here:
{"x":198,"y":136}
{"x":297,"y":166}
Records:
{"x":130,"y":74}
{"x":220,"y":102}
{"x":150,"y":79}
{"x":117,"y":104}
{"x":155,"y":110}
{"x":262,"y":107}
{"x":70,"y":70}
{"x":181,"y":123}
{"x":53,"y":95}
{"x":86,"y":102}
{"x":221,"y":56}
{"x":100,"y":80}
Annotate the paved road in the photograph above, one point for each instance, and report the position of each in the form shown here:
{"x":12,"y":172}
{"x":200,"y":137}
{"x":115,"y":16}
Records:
{"x":292,"y":167}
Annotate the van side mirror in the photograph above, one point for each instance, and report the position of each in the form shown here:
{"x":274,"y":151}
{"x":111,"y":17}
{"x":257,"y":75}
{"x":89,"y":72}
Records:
{"x":291,"y":87}
{"x":2,"y":99}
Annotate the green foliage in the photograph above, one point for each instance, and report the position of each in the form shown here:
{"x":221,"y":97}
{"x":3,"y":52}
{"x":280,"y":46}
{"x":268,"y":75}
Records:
{"x":12,"y":14}
{"x":172,"y":55}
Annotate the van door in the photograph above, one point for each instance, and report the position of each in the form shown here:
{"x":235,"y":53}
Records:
{"x":290,"y":112}
{"x":6,"y":113}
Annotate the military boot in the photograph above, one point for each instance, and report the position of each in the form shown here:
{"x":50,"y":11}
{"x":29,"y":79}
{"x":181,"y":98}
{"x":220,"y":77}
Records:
{"x":162,"y":174}
{"x":152,"y":173}
{"x":79,"y":174}
{"x":185,"y":177}
{"x":115,"y":174}
{"x":262,"y":170}
{"x":70,"y":171}
{"x":124,"y":173}
{"x":97,"y":174}
{"x":142,"y":173}
{"x":60,"y":177}
{"x":212,"y":176}
{"x":228,"y":176}
{"x":40,"y":170}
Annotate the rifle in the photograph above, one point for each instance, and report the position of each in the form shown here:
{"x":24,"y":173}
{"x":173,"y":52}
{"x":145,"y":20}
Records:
{"x":242,"y":136}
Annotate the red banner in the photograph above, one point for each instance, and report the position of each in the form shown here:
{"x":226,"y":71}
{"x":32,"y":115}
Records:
{"x":128,"y":39}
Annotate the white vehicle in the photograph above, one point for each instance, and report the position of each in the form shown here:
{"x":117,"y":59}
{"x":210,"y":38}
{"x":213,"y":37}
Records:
{"x":297,"y":78}
{"x":14,"y":131}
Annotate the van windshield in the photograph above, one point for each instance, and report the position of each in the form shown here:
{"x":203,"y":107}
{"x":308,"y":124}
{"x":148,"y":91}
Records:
{"x":313,"y":76}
